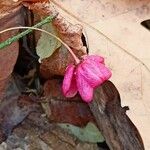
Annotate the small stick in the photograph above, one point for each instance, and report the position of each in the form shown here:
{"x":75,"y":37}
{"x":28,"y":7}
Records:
{"x":20,"y":35}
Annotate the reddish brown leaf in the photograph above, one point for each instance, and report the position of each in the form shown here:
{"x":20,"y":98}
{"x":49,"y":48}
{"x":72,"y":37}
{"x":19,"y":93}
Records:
{"x":64,"y":110}
{"x":8,"y":57}
{"x":52,"y":88}
{"x":56,"y":63}
{"x":76,"y":113}
{"x":9,"y":54}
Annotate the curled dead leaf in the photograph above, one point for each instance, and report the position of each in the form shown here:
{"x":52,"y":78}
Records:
{"x":69,"y":34}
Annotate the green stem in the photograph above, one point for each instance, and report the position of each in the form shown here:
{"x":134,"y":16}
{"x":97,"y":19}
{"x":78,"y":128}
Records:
{"x":20,"y":35}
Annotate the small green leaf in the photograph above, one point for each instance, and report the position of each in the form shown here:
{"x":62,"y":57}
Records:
{"x":47,"y":44}
{"x":90,"y":133}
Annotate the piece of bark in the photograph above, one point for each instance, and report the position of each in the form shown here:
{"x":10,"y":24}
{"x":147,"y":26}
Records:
{"x":116,"y":127}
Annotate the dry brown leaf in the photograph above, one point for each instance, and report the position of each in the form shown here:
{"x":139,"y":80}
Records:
{"x":9,"y":54}
{"x":8,"y":58}
{"x":69,"y":33}
{"x":57,"y":62}
{"x":72,"y":111}
{"x":14,"y":108}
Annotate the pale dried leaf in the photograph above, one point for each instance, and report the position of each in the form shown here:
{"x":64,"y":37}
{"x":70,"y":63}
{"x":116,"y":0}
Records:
{"x":120,"y":21}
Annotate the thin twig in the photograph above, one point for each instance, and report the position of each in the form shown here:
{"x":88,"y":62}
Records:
{"x":22,"y":34}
